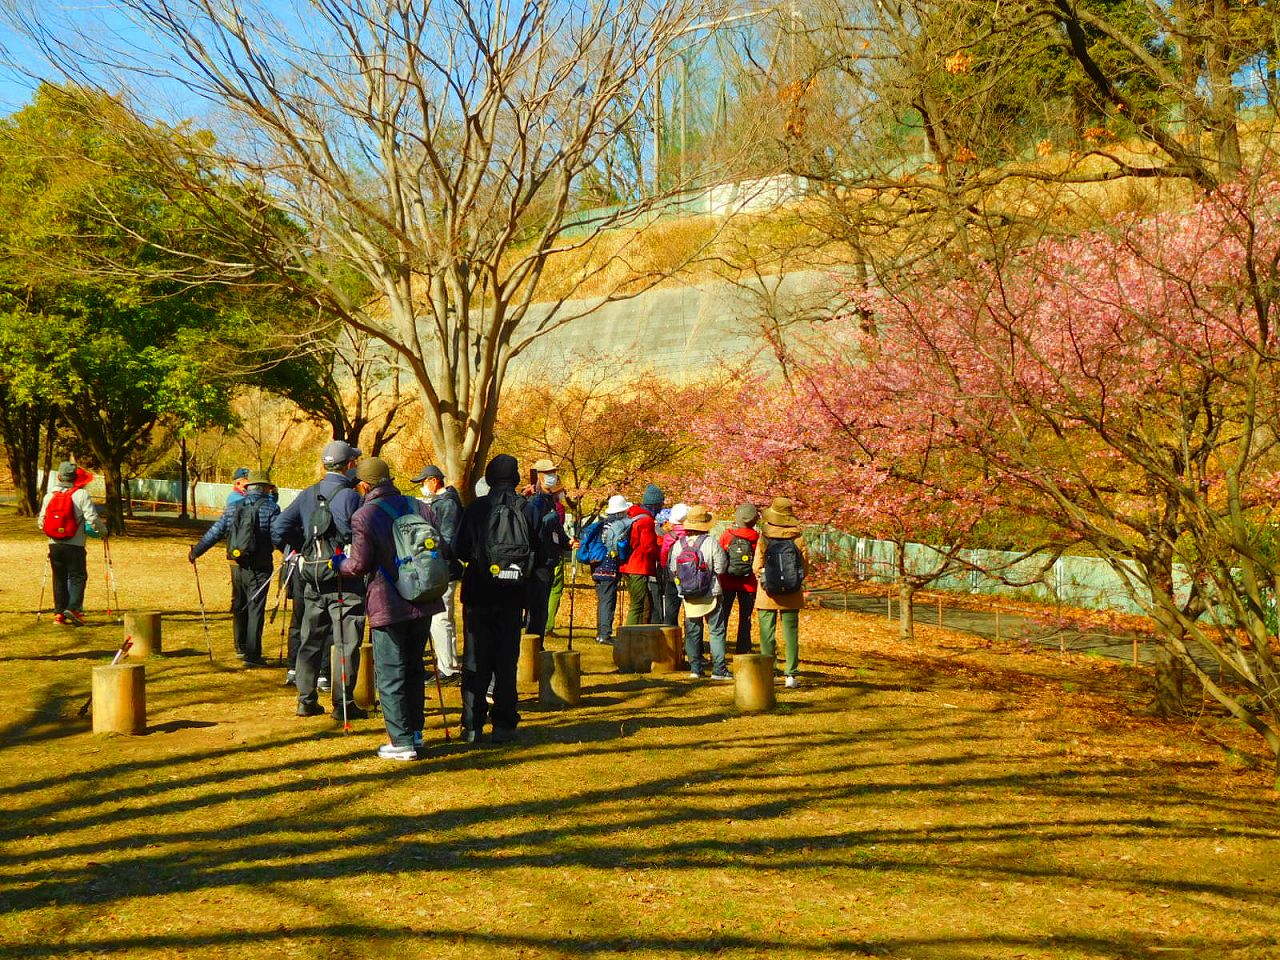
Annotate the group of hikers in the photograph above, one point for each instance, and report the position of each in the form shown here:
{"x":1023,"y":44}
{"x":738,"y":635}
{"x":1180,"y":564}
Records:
{"x":356,"y":549}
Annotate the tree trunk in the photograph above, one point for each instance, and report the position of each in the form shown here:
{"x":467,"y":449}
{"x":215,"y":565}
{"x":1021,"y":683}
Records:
{"x":906,"y":616}
{"x":22,"y":429}
{"x":1168,"y":684}
{"x":113,"y":511}
{"x":184,"y":478}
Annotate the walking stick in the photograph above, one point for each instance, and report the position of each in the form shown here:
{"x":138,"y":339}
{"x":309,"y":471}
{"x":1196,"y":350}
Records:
{"x":111,"y":576}
{"x":124,"y":648}
{"x":203,"y":618}
{"x":44,"y":582}
{"x":444,"y":717}
{"x":342,"y":655}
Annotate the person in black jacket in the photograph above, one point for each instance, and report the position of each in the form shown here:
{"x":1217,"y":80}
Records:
{"x":251,"y":571}
{"x":494,"y":592}
{"x":333,"y":613}
{"x":447,"y":507}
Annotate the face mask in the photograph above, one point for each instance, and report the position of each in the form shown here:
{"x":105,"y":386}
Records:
{"x":426,"y":491}
{"x":351,"y":474}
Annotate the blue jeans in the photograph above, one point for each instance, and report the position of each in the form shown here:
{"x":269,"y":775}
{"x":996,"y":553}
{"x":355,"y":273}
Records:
{"x":606,"y":607}
{"x":693,"y":630}
{"x":746,"y":604}
{"x":398,"y":649}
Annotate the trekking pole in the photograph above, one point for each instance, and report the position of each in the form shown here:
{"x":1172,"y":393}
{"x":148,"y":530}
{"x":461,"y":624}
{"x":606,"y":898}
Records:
{"x":444,"y":717}
{"x":124,"y":648}
{"x":111,"y":576}
{"x":283,"y":593}
{"x":44,"y":582}
{"x":203,"y":617}
{"x":342,"y":656}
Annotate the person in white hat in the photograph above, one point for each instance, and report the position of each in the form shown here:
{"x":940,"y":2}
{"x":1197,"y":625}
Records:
{"x":605,"y":572}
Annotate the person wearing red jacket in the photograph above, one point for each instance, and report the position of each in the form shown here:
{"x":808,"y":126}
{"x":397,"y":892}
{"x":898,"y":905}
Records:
{"x":640,"y":570}
{"x":739,"y":541}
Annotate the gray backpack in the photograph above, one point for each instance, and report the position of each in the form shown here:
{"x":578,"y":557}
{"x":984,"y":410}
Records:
{"x":422,"y":570}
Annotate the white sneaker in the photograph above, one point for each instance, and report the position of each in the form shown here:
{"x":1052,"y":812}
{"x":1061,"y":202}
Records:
{"x":695,"y":676}
{"x":389,"y":751}
{"x":793,"y":682}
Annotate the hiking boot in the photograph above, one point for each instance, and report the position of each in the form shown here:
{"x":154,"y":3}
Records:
{"x":322,"y":684}
{"x":470,"y":736}
{"x":74,"y":617}
{"x":255,"y":663}
{"x":722,"y":676}
{"x":389,"y":751}
{"x":793,"y":682}
{"x":417,"y":739}
{"x":450,"y":679}
{"x":352,"y":713}
{"x":310,"y":710}
{"x":503,"y":735}
{"x":291,"y":679}
{"x":604,"y":640}
{"x":60,"y":620}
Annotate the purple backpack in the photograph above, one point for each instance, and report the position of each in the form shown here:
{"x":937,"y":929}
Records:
{"x":693,"y":579}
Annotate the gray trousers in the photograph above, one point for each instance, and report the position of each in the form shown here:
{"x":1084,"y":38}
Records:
{"x":324,"y":616}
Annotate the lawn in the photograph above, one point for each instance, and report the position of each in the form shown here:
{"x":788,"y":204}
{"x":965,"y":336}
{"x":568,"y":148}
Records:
{"x":931,"y":800}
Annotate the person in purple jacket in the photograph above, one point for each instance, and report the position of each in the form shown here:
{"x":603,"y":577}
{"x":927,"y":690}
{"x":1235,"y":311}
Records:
{"x":399,"y":627}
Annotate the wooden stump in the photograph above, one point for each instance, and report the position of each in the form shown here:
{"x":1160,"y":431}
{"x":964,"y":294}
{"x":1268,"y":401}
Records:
{"x":633,"y":648}
{"x":143,"y":627}
{"x":527,"y":668}
{"x":561,"y":683}
{"x":668,"y":650}
{"x":753,"y":683}
{"x":366,"y":692}
{"x":120,"y":698}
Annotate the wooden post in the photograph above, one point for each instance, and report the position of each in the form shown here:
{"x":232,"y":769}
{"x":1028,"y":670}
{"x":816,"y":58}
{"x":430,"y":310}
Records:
{"x":997,"y":623}
{"x":120,"y":698}
{"x":668,"y":650}
{"x":1135,"y":648}
{"x":527,"y":666}
{"x":366,"y":692}
{"x":939,"y":611}
{"x":633,"y":648}
{"x":560,"y":683}
{"x":888,"y":604}
{"x":144,"y":627}
{"x":753,"y":683}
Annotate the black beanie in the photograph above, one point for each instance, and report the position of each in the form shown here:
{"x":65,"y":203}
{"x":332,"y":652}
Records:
{"x":502,"y":469}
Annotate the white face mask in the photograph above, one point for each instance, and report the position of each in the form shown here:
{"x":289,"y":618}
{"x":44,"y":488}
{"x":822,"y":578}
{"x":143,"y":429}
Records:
{"x":426,"y":491}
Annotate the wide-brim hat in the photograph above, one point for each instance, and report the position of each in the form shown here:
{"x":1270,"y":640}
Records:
{"x":543,"y":466}
{"x":698,"y":519}
{"x":699,"y":608}
{"x":679,"y":512}
{"x":257,"y":477}
{"x":781,"y":513}
{"x":617,"y":504}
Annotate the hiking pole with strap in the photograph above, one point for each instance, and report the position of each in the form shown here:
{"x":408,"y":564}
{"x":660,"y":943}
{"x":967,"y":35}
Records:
{"x":44,"y":582}
{"x":342,"y":654}
{"x":444,"y":717}
{"x":283,"y":592}
{"x":124,"y":648}
{"x":111,"y":575}
{"x":204,"y":619}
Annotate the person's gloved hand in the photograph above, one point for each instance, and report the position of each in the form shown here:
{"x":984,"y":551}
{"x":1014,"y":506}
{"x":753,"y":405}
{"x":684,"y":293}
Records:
{"x":337,"y":560}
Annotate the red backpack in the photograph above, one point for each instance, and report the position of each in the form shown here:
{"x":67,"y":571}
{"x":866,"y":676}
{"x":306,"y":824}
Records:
{"x":60,"y":520}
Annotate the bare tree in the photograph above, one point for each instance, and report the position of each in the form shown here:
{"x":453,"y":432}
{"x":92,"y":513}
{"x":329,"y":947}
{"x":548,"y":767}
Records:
{"x":434,"y":150}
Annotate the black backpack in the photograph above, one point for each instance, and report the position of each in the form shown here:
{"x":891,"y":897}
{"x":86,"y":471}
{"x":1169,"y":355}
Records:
{"x":315,"y":563}
{"x":549,"y":538}
{"x":741,"y":554}
{"x":783,"y":567}
{"x":242,"y":532}
{"x":508,"y":546}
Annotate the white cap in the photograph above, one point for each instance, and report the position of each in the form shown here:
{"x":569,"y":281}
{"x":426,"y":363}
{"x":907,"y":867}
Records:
{"x":617,"y":504}
{"x":679,"y":512}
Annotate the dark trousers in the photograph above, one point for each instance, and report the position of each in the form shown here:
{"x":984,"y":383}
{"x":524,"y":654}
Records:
{"x":694,"y":628}
{"x":746,"y":603}
{"x":398,"y":649}
{"x":69,"y":569}
{"x":233,"y":567}
{"x":540,"y":581}
{"x":640,"y":609}
{"x":491,"y":648}
{"x":670,"y":601}
{"x":324,"y":616}
{"x":606,"y":606}
{"x":249,"y":610}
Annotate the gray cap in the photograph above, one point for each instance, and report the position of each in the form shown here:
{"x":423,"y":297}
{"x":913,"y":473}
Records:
{"x":338,"y":452}
{"x":67,"y":471}
{"x":431,"y":470}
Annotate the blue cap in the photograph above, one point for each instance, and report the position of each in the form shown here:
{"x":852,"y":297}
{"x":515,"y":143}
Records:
{"x":240,"y":474}
{"x":338,"y":452}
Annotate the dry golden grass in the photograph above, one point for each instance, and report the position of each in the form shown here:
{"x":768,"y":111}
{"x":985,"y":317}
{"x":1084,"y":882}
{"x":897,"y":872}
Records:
{"x":931,"y":800}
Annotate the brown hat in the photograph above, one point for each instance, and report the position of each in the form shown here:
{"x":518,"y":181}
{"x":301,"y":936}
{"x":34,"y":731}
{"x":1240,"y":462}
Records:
{"x":781,"y":513}
{"x":543,"y":466}
{"x":373,"y":470}
{"x":260,"y":477}
{"x":698,"y":519}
